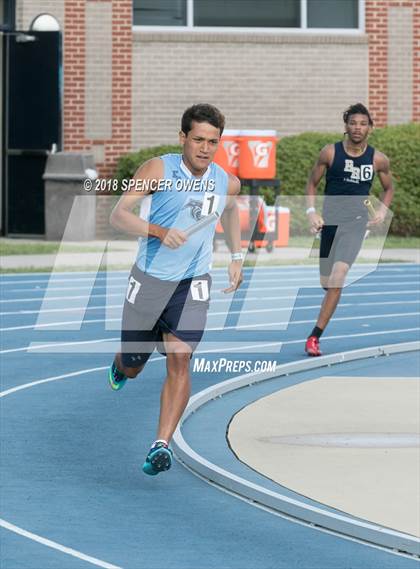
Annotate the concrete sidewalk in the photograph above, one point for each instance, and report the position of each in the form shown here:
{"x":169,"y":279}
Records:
{"x":121,"y":254}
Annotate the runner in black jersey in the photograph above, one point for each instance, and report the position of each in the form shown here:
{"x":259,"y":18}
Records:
{"x":350,"y":167}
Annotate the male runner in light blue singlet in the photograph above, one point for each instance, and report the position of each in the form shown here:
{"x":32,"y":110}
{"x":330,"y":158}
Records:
{"x":169,"y":286}
{"x":350,"y":167}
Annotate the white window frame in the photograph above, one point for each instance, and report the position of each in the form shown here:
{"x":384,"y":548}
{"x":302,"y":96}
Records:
{"x":303,"y":29}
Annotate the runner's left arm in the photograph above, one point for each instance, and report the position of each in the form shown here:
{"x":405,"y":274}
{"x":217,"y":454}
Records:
{"x":232,"y":229}
{"x":381,"y":164}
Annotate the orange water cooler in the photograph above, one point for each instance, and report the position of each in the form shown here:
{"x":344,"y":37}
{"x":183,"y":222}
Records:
{"x":257,"y":154}
{"x":251,"y":155}
{"x":278,"y":222}
{"x":227,"y":155}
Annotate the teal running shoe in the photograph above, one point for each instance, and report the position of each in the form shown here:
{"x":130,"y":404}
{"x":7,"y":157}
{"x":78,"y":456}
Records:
{"x":158,"y":460}
{"x":116,"y":378}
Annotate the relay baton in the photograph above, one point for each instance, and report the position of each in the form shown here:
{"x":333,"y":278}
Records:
{"x":318,"y":231}
{"x":370,"y":208}
{"x":201,"y":223}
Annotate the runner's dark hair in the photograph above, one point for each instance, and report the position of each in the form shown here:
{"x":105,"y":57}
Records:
{"x":357,"y":109}
{"x":203,"y":112}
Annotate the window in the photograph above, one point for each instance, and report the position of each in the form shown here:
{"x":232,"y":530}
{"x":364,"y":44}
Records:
{"x":248,"y":14}
{"x":7,"y":15}
{"x":160,"y":12}
{"x":332,"y":14}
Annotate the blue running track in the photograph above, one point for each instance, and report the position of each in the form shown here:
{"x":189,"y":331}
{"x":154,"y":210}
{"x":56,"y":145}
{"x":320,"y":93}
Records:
{"x":72,"y":449}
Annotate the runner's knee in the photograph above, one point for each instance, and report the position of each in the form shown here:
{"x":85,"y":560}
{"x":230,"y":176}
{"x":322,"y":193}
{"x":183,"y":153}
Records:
{"x":127,"y":370}
{"x":324,"y":281}
{"x":132,"y":372}
{"x":178,"y":362}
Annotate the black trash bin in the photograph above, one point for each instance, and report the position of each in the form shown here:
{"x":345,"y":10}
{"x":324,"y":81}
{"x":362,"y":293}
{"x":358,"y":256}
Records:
{"x":70,"y":210}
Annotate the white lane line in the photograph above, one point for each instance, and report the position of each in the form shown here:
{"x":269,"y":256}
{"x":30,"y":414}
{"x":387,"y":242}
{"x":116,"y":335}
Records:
{"x":82,"y":310}
{"x":247,"y":346}
{"x":352,"y":285}
{"x":312,"y":307}
{"x":36,"y":326}
{"x":54,"y":288}
{"x":298,"y":289}
{"x":51,"y":276}
{"x":257,"y":275}
{"x":303,"y":340}
{"x":259,"y":270}
{"x":23,"y":276}
{"x":48,"y":379}
{"x":54,"y":545}
{"x":297,"y":322}
{"x":56,"y":344}
{"x":24,"y":386}
{"x":33,"y":536}
{"x":54,"y":324}
{"x":59,"y":298}
{"x":256,"y":280}
{"x":226,"y":298}
{"x":160,"y":357}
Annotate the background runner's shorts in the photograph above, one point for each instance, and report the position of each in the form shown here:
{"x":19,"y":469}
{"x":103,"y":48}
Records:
{"x":153,"y":306}
{"x":340,"y":243}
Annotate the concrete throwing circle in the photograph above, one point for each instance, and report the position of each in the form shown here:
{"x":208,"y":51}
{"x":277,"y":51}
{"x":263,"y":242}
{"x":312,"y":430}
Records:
{"x":351,"y":443}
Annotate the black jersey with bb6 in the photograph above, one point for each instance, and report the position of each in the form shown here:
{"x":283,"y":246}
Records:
{"x":348,"y":182}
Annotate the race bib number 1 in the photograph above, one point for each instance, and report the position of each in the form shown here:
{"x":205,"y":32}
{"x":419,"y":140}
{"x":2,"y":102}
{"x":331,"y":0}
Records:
{"x":200,"y":290}
{"x":210,"y":203}
{"x":132,"y":290}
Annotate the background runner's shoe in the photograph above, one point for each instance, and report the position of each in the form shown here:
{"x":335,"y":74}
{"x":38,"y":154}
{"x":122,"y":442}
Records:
{"x":158,"y":460}
{"x":116,"y":378}
{"x":312,"y":346}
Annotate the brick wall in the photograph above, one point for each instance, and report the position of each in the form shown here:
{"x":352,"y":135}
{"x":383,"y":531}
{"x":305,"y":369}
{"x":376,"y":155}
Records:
{"x":27,"y":10}
{"x":377,"y":29}
{"x":97,"y":79}
{"x":104,"y":206}
{"x":393,"y":28}
{"x":400,"y":64}
{"x":98,"y":67}
{"x":416,"y":62}
{"x":125,"y":90}
{"x":290,"y":83}
{"x":122,"y":55}
{"x":74,"y":77}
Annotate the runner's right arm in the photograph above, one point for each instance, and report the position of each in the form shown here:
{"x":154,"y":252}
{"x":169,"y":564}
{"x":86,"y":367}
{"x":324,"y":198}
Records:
{"x":325,"y":158}
{"x":123,"y":218}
